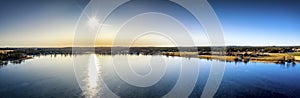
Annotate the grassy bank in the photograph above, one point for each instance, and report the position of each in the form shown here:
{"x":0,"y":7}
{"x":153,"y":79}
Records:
{"x":269,"y":58}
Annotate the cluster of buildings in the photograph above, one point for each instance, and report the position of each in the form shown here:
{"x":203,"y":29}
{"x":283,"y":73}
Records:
{"x":295,"y":50}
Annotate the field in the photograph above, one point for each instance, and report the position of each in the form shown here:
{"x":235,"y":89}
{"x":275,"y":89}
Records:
{"x":269,"y":58}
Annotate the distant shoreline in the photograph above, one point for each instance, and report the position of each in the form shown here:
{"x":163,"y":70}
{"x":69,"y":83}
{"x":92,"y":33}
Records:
{"x":278,"y":58}
{"x":269,"y":54}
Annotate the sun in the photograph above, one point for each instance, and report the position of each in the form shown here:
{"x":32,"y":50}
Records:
{"x":93,"y":22}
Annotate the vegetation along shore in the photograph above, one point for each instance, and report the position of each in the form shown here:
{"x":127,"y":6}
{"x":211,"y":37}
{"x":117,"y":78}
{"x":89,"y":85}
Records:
{"x":268,"y":54}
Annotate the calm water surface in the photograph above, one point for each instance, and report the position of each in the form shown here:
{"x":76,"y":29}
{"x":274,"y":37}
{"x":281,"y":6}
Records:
{"x":53,"y":76}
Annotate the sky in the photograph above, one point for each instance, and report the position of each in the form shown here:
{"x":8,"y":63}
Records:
{"x":259,"y":22}
{"x":39,"y":23}
{"x":52,"y":23}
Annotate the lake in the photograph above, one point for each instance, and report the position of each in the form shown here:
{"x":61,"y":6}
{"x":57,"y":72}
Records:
{"x":54,"y":76}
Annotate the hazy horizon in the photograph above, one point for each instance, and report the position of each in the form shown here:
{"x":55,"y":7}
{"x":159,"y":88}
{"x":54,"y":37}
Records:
{"x":147,"y":46}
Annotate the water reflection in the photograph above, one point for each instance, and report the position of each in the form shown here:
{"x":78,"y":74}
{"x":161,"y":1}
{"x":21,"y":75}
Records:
{"x":288,"y":65}
{"x":39,"y":78}
{"x":282,"y":65}
{"x":20,"y":61}
{"x":92,"y":81}
{"x":11,"y":61}
{"x":5,"y":63}
{"x":54,"y":77}
{"x":140,"y":63}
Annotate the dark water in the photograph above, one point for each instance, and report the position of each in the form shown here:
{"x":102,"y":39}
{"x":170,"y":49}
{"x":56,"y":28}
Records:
{"x":49,"y":76}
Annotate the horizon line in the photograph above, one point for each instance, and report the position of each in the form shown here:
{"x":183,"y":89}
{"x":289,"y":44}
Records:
{"x":149,"y":46}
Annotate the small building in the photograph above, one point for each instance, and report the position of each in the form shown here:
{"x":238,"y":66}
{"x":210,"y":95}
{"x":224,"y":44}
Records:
{"x":296,"y":50}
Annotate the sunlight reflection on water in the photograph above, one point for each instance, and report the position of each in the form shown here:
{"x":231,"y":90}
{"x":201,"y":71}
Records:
{"x":92,"y":81}
{"x":47,"y":76}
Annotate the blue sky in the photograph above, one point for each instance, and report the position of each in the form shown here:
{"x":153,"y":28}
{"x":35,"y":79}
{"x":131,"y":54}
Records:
{"x":52,"y":23}
{"x":38,"y":22}
{"x":259,"y":22}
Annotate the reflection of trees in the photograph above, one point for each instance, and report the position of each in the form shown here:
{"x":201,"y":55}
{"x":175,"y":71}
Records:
{"x":5,"y":63}
{"x":17,"y":61}
{"x":288,"y":64}
{"x":14,"y":57}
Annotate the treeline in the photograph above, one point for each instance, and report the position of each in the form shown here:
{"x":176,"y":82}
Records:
{"x":266,"y":49}
{"x":13,"y":55}
{"x":146,"y":50}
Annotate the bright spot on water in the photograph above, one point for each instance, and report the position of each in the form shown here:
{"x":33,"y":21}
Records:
{"x":93,"y":83}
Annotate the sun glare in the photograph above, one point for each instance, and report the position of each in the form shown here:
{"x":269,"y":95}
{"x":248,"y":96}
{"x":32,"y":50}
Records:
{"x":93,"y":22}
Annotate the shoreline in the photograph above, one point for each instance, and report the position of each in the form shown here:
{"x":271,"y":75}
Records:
{"x":14,"y":60}
{"x":278,"y":58}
